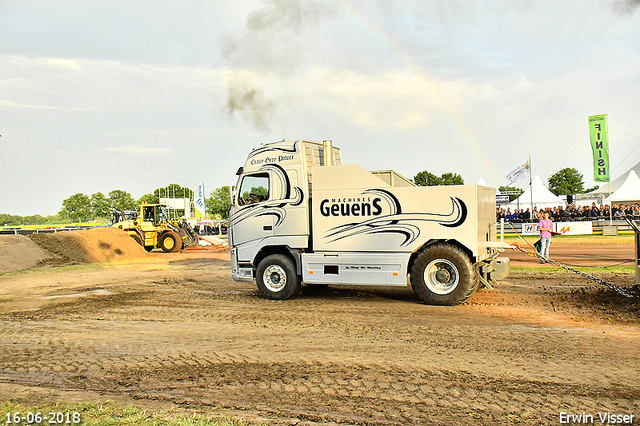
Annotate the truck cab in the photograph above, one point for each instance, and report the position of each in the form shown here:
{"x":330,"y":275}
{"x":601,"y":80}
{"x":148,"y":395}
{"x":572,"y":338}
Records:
{"x":299,"y":215}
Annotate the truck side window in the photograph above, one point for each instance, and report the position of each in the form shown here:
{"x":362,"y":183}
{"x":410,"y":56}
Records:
{"x":254,"y":189}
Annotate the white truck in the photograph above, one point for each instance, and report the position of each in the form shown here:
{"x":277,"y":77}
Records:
{"x":298,"y":215}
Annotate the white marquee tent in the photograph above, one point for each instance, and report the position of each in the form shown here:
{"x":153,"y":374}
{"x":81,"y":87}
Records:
{"x":629,"y":191}
{"x":542,"y":197}
{"x":617,"y":183}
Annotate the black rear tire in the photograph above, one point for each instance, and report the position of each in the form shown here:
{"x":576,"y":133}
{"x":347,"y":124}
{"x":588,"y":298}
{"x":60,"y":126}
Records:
{"x":276,"y":277}
{"x":444,"y":275}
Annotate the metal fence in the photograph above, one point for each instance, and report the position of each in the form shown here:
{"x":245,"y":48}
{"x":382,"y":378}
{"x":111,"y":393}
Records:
{"x":597,"y":225}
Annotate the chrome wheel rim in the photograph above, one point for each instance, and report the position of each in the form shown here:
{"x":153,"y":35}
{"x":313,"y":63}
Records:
{"x":441,"y":276}
{"x":274,"y":278}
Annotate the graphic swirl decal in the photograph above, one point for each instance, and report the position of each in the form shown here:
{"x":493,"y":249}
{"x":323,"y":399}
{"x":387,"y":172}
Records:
{"x":292,"y":150}
{"x":275,"y":207}
{"x":405,"y":224}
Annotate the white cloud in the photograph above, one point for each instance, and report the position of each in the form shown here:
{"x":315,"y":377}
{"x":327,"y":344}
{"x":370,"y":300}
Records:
{"x":458,"y":86}
{"x":63,"y":63}
{"x":9,"y":104}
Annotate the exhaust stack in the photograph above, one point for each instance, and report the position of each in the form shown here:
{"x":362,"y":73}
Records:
{"x":328,"y":151}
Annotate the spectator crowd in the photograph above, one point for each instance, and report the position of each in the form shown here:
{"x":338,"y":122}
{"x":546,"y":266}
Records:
{"x":570,"y":213}
{"x":216,"y":228}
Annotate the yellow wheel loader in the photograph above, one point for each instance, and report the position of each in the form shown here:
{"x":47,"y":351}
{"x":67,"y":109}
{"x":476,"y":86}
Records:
{"x":151,"y":228}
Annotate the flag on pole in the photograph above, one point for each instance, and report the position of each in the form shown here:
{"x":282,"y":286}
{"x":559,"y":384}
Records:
{"x":198,"y":200}
{"x":523,"y":171}
{"x":600,"y":147}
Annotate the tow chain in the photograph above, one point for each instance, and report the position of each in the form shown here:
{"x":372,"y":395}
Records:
{"x":534,"y":253}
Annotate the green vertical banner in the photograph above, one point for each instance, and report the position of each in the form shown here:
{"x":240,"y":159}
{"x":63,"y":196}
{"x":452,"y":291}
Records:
{"x":600,"y":147}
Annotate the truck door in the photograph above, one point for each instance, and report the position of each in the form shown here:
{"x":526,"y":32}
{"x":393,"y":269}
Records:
{"x":252,"y":215}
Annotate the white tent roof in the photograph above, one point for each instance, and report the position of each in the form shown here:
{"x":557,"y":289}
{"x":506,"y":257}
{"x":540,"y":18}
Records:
{"x":615,"y":184}
{"x":629,"y":191}
{"x":482,"y":182}
{"x":542,"y":197}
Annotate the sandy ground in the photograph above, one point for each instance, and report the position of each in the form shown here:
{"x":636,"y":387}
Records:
{"x":174,"y":330}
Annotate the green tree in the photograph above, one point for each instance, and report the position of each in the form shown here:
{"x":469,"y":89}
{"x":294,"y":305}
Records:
{"x":10,"y":220}
{"x":566,"y":181}
{"x":76,"y":207}
{"x":426,"y":178}
{"x":172,"y":191}
{"x":149,"y":199}
{"x":100,"y":206}
{"x":451,"y":179}
{"x":512,"y":188}
{"x":122,"y":200}
{"x":219,"y":202}
{"x":33,"y":220}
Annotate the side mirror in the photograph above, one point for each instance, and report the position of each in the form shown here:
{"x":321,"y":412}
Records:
{"x":232,"y":195}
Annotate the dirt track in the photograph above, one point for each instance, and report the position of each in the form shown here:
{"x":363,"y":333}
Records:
{"x":176,"y":329}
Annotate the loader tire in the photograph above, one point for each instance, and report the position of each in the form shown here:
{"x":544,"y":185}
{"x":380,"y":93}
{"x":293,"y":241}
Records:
{"x":170,"y":242}
{"x":276,"y":277}
{"x":444,"y":275}
{"x":137,"y":239}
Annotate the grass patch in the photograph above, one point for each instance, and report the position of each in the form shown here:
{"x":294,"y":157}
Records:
{"x":110,"y":413}
{"x":619,"y":269}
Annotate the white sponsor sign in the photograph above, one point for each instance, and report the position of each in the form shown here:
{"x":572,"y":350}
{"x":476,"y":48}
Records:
{"x":502,"y":199}
{"x":574,"y":228}
{"x":564,"y":228}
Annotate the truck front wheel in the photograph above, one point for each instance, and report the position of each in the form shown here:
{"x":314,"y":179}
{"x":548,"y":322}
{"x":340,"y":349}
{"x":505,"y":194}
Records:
{"x":276,"y":277}
{"x":444,"y":275}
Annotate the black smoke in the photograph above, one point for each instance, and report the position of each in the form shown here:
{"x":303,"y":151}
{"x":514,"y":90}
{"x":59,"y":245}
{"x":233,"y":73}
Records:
{"x":625,"y":7}
{"x":268,"y":45}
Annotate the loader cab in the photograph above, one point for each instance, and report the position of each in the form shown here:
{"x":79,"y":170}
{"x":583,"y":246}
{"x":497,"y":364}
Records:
{"x":118,"y":216}
{"x":154,"y":213}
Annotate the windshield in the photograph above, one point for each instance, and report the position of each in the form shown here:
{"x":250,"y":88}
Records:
{"x":162,"y":214}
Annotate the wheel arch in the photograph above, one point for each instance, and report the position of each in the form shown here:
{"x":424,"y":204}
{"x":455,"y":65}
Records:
{"x":279,"y":249}
{"x":425,"y":246}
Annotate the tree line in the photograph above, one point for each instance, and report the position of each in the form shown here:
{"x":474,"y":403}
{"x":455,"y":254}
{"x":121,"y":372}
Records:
{"x":567,"y":181}
{"x":81,"y":207}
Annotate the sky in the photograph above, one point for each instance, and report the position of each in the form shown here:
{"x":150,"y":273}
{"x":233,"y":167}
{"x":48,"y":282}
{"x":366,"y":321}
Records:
{"x":135,"y":95}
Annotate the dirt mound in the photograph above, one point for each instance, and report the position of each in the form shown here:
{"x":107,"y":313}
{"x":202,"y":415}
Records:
{"x":18,"y":252}
{"x":91,"y":246}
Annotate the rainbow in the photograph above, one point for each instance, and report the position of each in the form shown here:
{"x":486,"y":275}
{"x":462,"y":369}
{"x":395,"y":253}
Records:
{"x":385,"y":39}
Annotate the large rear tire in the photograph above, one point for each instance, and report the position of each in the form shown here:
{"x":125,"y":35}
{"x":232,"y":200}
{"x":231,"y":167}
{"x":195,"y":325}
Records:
{"x":444,"y":275}
{"x":170,"y":242}
{"x":276,"y":277}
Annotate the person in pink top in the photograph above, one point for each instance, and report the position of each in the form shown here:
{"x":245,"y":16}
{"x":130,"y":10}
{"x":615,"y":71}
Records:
{"x":545,"y":226}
